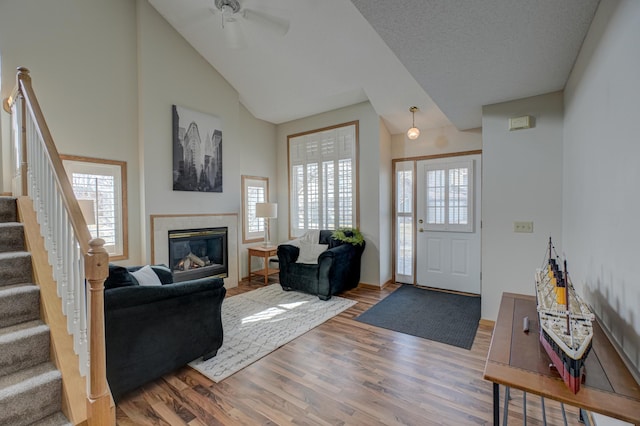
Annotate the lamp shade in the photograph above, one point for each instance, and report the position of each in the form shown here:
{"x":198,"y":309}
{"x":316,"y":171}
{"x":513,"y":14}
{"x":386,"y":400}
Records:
{"x":413,"y":133}
{"x":269,"y":210}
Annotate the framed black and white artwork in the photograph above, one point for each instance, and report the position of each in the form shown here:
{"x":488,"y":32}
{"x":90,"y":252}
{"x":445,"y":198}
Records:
{"x":197,"y":151}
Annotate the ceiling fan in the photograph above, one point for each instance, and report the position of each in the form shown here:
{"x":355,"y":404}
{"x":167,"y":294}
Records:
{"x":233,"y":15}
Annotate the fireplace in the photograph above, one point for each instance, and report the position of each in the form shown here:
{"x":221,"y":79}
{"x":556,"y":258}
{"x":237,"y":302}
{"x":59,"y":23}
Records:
{"x":198,"y":253}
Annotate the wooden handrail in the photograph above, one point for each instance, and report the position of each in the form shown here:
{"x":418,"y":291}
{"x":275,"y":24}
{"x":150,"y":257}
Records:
{"x":100,"y":409}
{"x":76,"y":218}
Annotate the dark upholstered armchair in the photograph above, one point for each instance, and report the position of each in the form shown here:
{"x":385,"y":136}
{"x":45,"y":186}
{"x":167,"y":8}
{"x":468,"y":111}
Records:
{"x":337,"y":268}
{"x":153,"y":330}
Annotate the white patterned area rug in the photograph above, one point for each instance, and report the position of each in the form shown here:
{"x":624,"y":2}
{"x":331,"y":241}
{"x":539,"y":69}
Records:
{"x":260,"y":321}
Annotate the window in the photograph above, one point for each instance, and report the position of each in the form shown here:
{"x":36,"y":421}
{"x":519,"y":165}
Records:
{"x":322,"y":179}
{"x":103,"y":182}
{"x":254,"y":190}
{"x":404,"y":208}
{"x":449,"y":198}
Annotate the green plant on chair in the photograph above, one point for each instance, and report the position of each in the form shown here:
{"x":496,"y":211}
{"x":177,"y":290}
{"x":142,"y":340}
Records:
{"x":355,"y":238}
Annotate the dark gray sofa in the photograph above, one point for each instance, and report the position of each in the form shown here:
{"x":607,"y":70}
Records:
{"x":153,"y":330}
{"x":338,"y":268}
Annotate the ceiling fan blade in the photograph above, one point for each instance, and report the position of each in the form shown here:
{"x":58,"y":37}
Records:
{"x":269,"y":22}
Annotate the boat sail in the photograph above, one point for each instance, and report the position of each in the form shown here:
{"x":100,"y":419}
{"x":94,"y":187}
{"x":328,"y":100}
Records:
{"x":566,"y":327}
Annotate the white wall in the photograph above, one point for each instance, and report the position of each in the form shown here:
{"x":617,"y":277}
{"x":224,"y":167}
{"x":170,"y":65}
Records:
{"x":106,"y":74}
{"x":172,"y":72}
{"x":441,"y":140}
{"x":601,"y":199}
{"x":369,"y":177}
{"x":82,"y":57}
{"x":385,"y":216}
{"x":521,"y":181}
{"x":258,"y":158}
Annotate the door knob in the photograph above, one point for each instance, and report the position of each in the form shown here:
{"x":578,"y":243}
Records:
{"x":420,"y":220}
{"x":420,"y":230}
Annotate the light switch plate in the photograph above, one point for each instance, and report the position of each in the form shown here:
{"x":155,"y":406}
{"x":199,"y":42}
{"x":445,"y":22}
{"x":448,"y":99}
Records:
{"x":526,"y":227}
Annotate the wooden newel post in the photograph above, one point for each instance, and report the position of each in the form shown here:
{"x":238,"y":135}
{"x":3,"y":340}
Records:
{"x":96,"y":264}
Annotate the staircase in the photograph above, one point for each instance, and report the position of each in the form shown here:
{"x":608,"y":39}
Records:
{"x":30,"y":385}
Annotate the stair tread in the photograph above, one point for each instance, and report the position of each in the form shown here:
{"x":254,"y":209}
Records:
{"x":15,"y":267}
{"x":14,"y":254}
{"x":11,"y":237}
{"x":24,"y":328}
{"x":19,"y":303}
{"x":18,"y":288}
{"x":23,"y":345}
{"x":56,"y":419}
{"x":10,"y":224}
{"x":8,"y":209}
{"x":28,"y":378}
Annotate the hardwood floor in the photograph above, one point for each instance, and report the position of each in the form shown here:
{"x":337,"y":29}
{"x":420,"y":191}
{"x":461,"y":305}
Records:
{"x":343,"y":372}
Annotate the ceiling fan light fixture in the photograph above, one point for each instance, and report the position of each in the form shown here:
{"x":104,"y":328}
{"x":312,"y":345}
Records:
{"x":233,"y":17}
{"x":227,"y":12}
{"x":413,"y":132}
{"x":228,"y":6}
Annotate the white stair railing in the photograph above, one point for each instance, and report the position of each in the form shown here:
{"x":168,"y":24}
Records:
{"x":60,"y":240}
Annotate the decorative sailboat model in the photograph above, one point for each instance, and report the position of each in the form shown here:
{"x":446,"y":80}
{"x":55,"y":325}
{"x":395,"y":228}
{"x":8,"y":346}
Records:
{"x":565,"y":320}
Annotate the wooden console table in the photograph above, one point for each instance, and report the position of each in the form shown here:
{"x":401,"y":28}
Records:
{"x":517,"y":359}
{"x":265,"y":253}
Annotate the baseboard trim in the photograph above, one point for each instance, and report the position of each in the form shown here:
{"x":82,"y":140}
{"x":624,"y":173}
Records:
{"x":375,"y":287}
{"x":487,"y":323}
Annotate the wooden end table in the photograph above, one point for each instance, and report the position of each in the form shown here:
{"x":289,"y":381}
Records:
{"x":516,"y":359}
{"x":265,"y":253}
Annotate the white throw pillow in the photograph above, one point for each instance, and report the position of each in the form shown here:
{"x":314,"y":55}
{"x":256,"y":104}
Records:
{"x":295,"y":243}
{"x":146,"y":276}
{"x":309,"y":252}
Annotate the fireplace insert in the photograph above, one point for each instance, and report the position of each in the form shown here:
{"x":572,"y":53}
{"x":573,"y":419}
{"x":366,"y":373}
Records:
{"x":198,"y":253}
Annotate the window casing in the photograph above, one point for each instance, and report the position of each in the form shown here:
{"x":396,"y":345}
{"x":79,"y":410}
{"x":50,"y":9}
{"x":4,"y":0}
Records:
{"x":449,"y":198}
{"x":254,"y":190}
{"x":323,"y":166}
{"x":104,"y":183}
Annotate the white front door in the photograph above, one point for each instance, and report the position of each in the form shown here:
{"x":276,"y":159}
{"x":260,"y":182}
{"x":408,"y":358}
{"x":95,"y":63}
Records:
{"x":448,"y":215}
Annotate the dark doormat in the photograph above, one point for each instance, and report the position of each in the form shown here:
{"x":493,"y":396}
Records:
{"x":435,"y":315}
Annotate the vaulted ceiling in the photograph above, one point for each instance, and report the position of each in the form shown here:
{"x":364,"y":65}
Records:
{"x":449,"y":58}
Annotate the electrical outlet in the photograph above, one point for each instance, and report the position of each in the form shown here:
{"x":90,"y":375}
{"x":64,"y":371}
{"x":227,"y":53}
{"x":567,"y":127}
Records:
{"x":526,"y":227}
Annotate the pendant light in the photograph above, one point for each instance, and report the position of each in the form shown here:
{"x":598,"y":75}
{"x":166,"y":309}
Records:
{"x":413,"y":132}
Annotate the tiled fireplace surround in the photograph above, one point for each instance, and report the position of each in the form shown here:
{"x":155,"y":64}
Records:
{"x":162,"y":224}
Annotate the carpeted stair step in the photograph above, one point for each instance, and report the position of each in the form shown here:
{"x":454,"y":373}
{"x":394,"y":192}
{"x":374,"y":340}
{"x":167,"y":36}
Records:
{"x":30,"y":395}
{"x":8,"y":209}
{"x":57,"y":419}
{"x":11,"y":237}
{"x":23,"y":345}
{"x":15,"y":268}
{"x":19,"y":303}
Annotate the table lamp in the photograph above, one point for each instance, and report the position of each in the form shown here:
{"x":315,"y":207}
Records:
{"x":267,"y":211}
